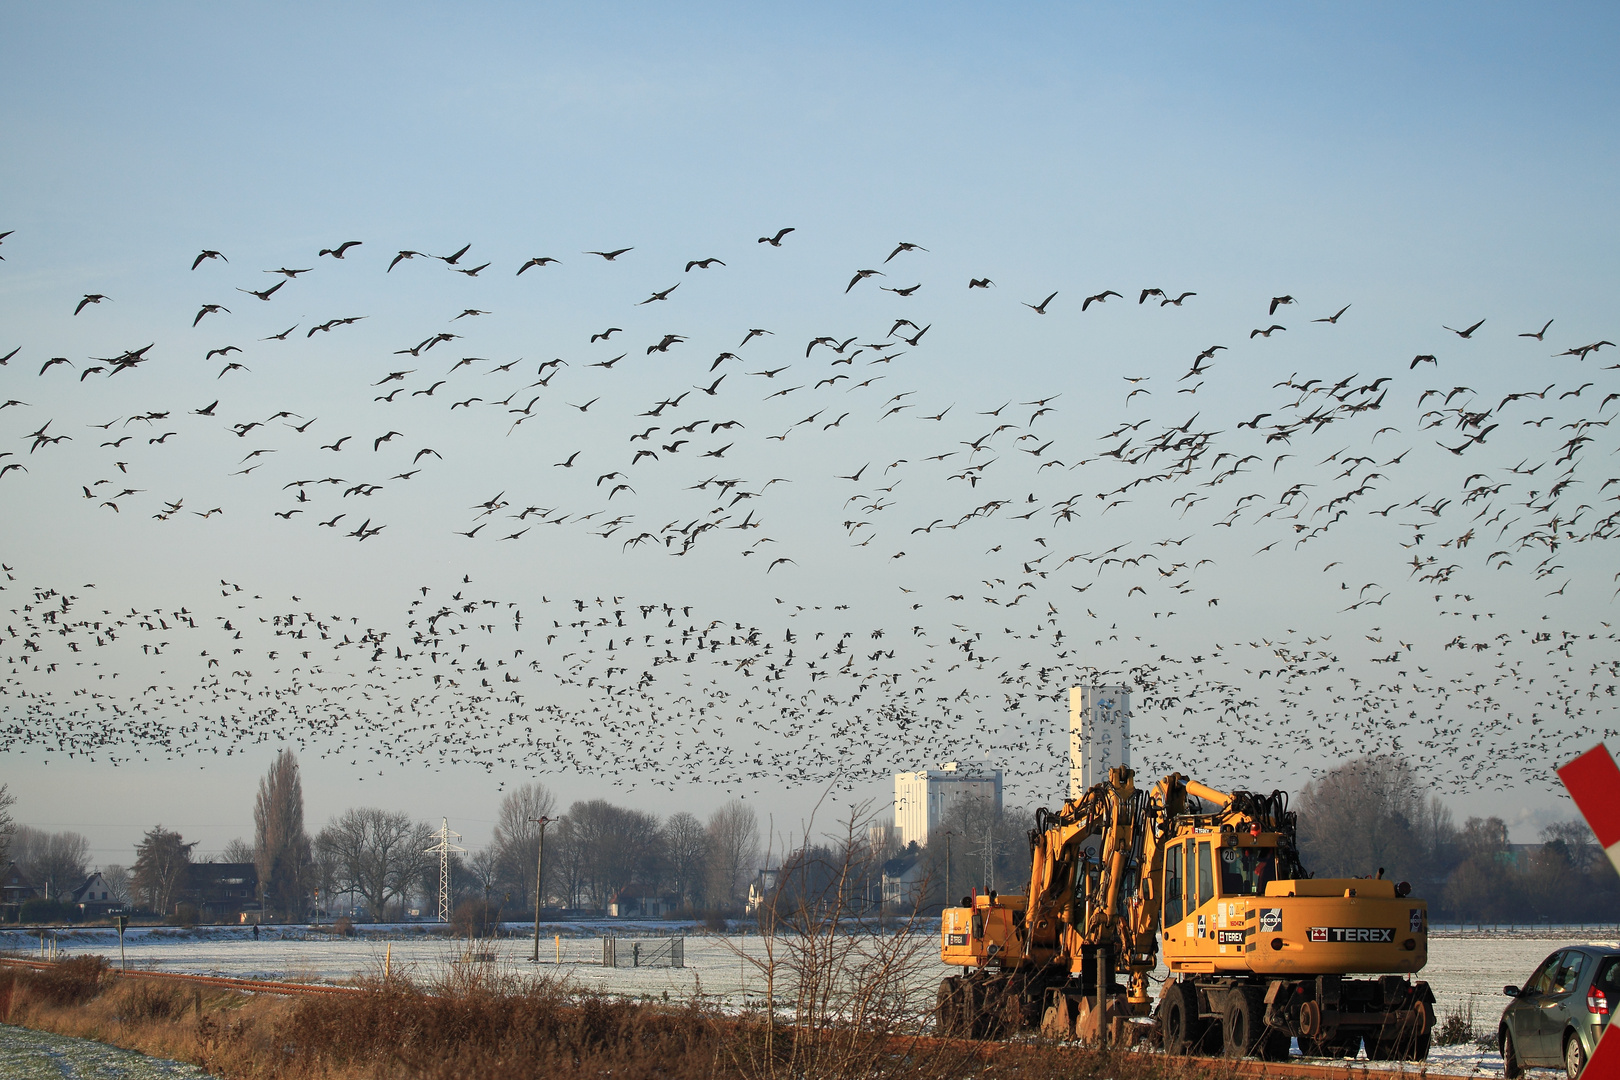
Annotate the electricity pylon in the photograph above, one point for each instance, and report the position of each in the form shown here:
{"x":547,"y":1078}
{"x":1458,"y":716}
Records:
{"x":443,"y":849}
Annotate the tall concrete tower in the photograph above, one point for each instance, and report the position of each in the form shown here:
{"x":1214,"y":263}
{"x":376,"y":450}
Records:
{"x":1099,"y":734}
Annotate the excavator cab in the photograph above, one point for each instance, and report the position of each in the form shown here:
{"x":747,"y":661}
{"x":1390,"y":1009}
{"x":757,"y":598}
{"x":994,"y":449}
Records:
{"x":1228,"y":864}
{"x":1246,"y":871}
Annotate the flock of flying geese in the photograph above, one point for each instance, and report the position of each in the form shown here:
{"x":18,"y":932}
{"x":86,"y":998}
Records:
{"x":1049,"y":552}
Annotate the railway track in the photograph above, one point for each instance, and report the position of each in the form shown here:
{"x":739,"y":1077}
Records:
{"x":1199,"y":1066}
{"x":1215,"y":1066}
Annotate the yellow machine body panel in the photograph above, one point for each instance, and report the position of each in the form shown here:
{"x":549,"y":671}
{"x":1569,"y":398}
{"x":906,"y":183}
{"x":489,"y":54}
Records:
{"x":991,"y":930}
{"x":1223,"y":914}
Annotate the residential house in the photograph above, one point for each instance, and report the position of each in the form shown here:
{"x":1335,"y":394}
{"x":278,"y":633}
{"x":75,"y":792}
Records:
{"x":222,"y":890}
{"x":95,"y":899}
{"x":16,"y":889}
{"x":762,"y":886}
{"x":904,"y":880}
{"x":636,"y":902}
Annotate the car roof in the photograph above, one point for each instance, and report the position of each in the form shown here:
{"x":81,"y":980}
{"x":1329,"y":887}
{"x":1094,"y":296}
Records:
{"x":1598,"y":948}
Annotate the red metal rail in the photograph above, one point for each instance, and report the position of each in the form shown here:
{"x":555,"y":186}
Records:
{"x":251,"y":986}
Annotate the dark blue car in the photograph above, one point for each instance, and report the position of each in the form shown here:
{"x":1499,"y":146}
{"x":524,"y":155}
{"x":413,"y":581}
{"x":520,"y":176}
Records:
{"x":1555,"y":1019}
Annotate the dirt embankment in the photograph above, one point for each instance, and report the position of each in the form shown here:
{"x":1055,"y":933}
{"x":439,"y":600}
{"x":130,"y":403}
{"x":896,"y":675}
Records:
{"x":493,"y":1031}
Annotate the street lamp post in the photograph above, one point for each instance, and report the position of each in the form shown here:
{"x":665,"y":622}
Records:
{"x":539,"y":868}
{"x":947,"y":868}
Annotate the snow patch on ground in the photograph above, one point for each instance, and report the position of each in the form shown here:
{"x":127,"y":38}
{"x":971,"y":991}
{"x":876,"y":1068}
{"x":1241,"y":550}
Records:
{"x":37,"y":1055}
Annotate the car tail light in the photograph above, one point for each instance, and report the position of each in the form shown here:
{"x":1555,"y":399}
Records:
{"x":1597,"y":1002}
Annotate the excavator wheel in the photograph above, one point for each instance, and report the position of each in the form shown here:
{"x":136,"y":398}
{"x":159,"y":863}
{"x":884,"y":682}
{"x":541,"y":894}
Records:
{"x":1243,"y":1028}
{"x":1182,"y":1028}
{"x":1413,"y":1043}
{"x":948,"y":1011}
{"x":982,"y":1003}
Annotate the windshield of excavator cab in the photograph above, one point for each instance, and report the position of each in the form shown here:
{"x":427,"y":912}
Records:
{"x":1246,"y":870}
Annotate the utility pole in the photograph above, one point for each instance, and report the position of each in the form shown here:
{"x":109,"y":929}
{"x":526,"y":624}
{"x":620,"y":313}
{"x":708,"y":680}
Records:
{"x":947,"y":868}
{"x":990,"y":854}
{"x":443,"y":849}
{"x":539,"y":877}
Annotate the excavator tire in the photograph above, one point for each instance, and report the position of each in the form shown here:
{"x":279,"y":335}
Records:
{"x":1181,"y":1026}
{"x":948,"y":1010}
{"x":1243,"y":1027}
{"x":982,"y":1004}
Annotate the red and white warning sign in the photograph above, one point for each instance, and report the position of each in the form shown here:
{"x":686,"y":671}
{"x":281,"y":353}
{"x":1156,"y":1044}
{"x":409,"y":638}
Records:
{"x":1593,"y":781}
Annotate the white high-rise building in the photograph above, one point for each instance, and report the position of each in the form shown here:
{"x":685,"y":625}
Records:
{"x":922,"y":799}
{"x":1099,"y":734}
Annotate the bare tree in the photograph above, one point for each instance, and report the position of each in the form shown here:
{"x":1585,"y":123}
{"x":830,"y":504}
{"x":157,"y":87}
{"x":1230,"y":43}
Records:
{"x":281,"y":846}
{"x":686,"y":843}
{"x":237,"y":851}
{"x":1365,"y":814}
{"x":323,"y":876}
{"x":989,"y":847}
{"x":1579,"y":844}
{"x":162,"y":860}
{"x":485,"y":867}
{"x":733,"y":851}
{"x":7,"y":825}
{"x":56,"y":862}
{"x":117,"y":879}
{"x":516,"y":840}
{"x":566,"y":854}
{"x":845,"y":989}
{"x":1483,"y":885}
{"x":376,"y":853}
{"x":616,"y":846}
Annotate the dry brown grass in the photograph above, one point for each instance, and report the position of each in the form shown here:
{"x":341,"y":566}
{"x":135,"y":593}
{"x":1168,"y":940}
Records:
{"x":500,"y":1028}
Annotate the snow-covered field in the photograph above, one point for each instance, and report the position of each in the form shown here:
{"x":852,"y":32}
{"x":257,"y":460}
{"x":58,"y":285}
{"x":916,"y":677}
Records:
{"x":1467,"y":969}
{"x":716,"y":966}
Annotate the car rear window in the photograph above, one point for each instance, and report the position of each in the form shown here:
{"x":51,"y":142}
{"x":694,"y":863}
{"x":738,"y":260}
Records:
{"x":1608,"y":976}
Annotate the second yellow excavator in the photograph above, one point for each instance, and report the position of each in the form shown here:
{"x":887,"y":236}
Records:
{"x":1258,"y":952}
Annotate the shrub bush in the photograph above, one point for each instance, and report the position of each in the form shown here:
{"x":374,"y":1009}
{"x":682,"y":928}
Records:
{"x":1456,"y":1028}
{"x":47,"y":911}
{"x":149,"y":1000}
{"x":70,"y":982}
{"x":472,"y":918}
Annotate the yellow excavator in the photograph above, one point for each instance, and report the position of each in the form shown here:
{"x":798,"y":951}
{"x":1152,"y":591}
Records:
{"x":1258,"y":951}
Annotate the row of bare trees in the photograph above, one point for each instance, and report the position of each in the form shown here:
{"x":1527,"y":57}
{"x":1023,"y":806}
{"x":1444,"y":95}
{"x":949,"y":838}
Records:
{"x":596,"y":850}
{"x":56,"y":862}
{"x":379,"y":858}
{"x":1377,"y":812}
